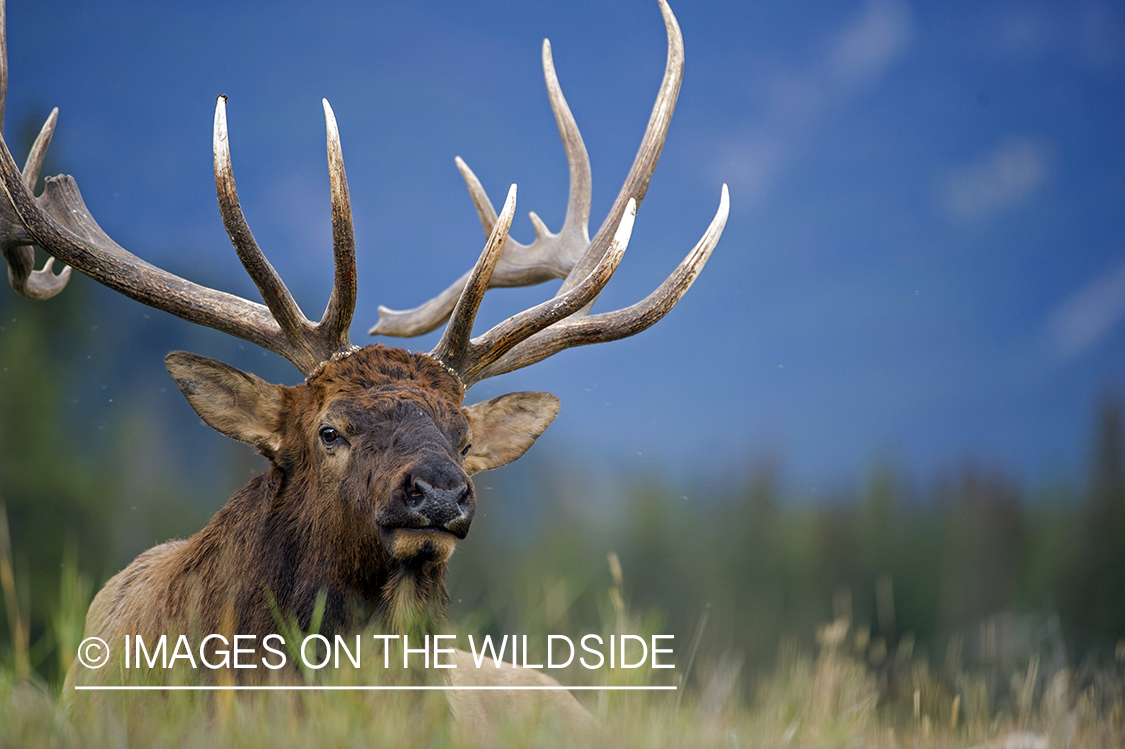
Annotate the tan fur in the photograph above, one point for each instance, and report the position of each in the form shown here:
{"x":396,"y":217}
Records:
{"x":407,"y":544}
{"x":238,"y":404}
{"x":505,"y":427}
{"x":479,"y":715}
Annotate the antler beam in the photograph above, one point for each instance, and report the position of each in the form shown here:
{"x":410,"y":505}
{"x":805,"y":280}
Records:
{"x":59,"y":222}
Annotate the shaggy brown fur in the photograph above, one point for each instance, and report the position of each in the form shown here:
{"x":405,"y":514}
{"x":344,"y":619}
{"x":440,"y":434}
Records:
{"x":341,"y":507}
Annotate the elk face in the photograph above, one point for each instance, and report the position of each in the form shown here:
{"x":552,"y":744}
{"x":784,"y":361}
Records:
{"x":378,"y":440}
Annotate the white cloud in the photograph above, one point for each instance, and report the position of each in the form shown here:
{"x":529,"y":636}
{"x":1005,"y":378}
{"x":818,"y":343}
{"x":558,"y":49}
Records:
{"x":750,"y":163}
{"x":1005,"y":177}
{"x":796,"y":100}
{"x":1089,"y":32}
{"x":872,"y":42}
{"x":1088,"y":316}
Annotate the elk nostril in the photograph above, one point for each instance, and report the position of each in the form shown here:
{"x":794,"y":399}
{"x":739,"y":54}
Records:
{"x":414,"y":491}
{"x":463,"y":499}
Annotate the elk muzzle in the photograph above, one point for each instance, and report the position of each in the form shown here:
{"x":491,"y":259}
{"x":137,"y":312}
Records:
{"x":432,"y":507}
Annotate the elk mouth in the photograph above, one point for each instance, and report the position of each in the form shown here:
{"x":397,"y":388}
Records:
{"x":427,"y":543}
{"x":431,"y":529}
{"x":428,"y":530}
{"x":457,"y":527}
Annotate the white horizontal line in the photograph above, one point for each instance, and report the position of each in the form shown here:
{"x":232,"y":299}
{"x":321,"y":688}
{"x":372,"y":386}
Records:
{"x":314,"y":688}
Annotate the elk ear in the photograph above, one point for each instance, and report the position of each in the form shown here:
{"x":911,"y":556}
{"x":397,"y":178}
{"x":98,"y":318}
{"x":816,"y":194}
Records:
{"x":238,"y":404}
{"x":505,"y":427}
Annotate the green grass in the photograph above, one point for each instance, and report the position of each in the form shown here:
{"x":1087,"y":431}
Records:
{"x":847,"y":691}
{"x":830,"y":698}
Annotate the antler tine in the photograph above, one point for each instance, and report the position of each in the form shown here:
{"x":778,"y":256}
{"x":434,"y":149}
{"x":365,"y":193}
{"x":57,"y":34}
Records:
{"x":3,"y":63}
{"x":499,"y":340}
{"x":610,"y":326}
{"x":550,"y":256}
{"x":644,"y":164}
{"x":468,"y":357}
{"x":553,"y":255}
{"x":337,"y":318}
{"x":273,"y":290}
{"x":24,"y":278}
{"x":454,"y":344}
{"x":575,"y":229}
{"x":38,"y":152}
{"x":14,"y":243}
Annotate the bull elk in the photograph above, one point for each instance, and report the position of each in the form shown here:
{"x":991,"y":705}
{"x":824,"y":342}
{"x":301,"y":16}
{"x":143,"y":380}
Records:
{"x":370,"y":458}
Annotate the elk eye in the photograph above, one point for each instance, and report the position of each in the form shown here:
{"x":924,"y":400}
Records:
{"x":465,"y":450}
{"x":329,"y":436}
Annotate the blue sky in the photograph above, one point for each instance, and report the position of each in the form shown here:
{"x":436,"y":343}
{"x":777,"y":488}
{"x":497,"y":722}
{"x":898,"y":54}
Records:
{"x":924,"y":260}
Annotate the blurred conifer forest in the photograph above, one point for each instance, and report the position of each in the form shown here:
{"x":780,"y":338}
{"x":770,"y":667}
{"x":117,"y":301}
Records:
{"x":100,"y":459}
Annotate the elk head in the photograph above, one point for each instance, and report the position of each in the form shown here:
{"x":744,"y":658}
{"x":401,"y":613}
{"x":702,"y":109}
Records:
{"x":379,"y":437}
{"x":376,"y":440}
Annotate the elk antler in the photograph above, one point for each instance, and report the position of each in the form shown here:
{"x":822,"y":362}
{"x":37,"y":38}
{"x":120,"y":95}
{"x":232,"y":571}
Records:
{"x":59,"y":222}
{"x":585,"y":265}
{"x":14,"y":241}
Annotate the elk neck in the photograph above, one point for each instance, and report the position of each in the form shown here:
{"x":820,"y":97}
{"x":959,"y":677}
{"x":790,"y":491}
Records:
{"x":266,"y":542}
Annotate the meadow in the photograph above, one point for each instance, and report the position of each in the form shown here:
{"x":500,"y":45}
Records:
{"x":965,"y":609}
{"x":846,"y":689}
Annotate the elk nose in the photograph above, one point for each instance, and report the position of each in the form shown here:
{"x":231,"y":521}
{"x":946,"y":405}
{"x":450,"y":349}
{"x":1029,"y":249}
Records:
{"x":445,"y":501}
